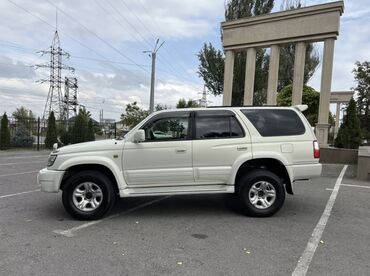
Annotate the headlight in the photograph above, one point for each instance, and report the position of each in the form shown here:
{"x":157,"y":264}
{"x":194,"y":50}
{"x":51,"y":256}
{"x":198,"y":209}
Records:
{"x":51,"y":160}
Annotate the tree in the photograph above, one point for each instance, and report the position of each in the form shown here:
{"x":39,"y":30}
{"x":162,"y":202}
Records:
{"x":79,"y":132}
{"x":24,"y":117}
{"x":183,"y":104}
{"x":211,"y":67}
{"x":90,"y":131}
{"x":22,"y":137}
{"x":286,"y":64}
{"x":51,"y":132}
{"x":362,"y":89}
{"x":133,"y":115}
{"x":85,"y":113}
{"x":160,"y":107}
{"x":23,"y":113}
{"x":310,"y":97}
{"x":4,"y":133}
{"x":349,"y":134}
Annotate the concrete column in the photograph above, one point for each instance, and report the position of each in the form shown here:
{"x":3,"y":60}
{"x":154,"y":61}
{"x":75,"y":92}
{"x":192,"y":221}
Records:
{"x":273,"y":75}
{"x":322,"y":127}
{"x":228,"y":77}
{"x":337,"y":120}
{"x":298,"y":76}
{"x":250,"y":69}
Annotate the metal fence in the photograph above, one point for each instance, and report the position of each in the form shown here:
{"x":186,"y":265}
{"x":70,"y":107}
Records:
{"x":31,"y":132}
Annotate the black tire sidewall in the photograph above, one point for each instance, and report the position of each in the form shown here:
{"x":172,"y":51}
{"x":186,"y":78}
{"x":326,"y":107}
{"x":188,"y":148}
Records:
{"x":100,"y":180}
{"x":246,"y":183}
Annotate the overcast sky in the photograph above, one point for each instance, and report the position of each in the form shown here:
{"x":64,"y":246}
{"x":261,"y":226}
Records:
{"x":106,"y":40}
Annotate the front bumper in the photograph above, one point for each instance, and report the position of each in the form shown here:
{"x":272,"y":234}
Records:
{"x":49,"y":180}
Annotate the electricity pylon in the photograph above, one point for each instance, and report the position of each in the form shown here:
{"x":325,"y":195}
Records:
{"x":54,"y":101}
{"x":70,"y":98}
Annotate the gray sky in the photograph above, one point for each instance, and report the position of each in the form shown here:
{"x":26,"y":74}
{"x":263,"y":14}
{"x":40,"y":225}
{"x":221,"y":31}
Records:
{"x":106,"y":38}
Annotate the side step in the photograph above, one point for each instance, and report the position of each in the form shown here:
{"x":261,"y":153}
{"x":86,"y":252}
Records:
{"x":176,"y":190}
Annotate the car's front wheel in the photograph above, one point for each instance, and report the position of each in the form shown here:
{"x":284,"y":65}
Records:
{"x":260,"y":193}
{"x":88,"y":195}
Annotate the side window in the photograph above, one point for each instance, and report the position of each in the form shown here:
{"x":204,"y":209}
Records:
{"x":217,"y":127}
{"x":167,"y":129}
{"x":275,"y":122}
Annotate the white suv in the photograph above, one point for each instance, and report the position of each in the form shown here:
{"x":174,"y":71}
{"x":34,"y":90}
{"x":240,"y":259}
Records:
{"x":256,"y":153}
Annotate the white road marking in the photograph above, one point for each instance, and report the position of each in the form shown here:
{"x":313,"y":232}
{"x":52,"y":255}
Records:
{"x":27,"y":192}
{"x":5,"y":175}
{"x":356,"y":186}
{"x":329,"y":189}
{"x":69,"y":233}
{"x":21,"y":163}
{"x":306,"y":258}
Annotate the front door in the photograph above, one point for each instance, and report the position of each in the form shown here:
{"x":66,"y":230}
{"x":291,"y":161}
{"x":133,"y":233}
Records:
{"x":165,"y":157}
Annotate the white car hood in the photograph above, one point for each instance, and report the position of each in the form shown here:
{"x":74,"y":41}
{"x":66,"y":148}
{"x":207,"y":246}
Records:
{"x":103,"y":145}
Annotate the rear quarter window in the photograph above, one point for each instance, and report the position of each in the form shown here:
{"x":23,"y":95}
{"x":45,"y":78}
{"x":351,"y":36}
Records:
{"x":275,"y":122}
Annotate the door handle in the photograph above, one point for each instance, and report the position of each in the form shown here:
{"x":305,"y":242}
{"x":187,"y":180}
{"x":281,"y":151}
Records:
{"x":242,"y":148}
{"x":180,"y":150}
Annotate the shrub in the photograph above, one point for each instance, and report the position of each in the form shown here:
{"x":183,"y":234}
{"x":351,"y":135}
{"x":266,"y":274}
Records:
{"x":349,"y":134}
{"x":51,"y":133}
{"x":4,"y":133}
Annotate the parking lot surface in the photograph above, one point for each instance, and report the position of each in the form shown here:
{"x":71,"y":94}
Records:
{"x":183,"y":235}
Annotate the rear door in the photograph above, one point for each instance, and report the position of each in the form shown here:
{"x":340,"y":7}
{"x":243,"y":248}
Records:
{"x":219,"y":139}
{"x":280,"y":131}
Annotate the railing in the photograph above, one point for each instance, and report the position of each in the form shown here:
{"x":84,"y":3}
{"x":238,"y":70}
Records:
{"x":30,"y":133}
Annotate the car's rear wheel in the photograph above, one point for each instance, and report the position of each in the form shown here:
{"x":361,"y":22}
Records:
{"x":88,"y":195}
{"x":260,"y":193}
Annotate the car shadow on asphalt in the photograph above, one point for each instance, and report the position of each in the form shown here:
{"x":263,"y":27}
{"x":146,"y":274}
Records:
{"x":199,"y":205}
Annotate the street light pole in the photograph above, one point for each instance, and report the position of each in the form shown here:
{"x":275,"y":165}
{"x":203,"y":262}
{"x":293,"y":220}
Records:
{"x":152,"y":84}
{"x":153,"y":55}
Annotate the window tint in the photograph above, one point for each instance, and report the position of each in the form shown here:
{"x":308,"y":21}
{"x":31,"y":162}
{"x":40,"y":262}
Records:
{"x":167,"y":129}
{"x":275,"y":122}
{"x":217,"y":128}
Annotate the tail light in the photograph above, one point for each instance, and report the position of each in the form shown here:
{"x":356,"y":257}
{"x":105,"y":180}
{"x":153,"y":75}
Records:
{"x":316,"y":149}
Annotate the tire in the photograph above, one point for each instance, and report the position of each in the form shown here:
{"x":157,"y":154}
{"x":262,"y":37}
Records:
{"x":88,"y":195}
{"x":260,"y":193}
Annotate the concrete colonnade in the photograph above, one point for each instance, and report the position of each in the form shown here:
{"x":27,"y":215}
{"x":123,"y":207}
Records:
{"x":299,"y":27}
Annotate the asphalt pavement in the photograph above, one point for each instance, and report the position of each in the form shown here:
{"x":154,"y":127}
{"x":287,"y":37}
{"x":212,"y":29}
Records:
{"x":182,"y":235}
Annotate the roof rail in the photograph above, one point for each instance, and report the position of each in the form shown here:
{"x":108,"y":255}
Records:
{"x":218,"y":106}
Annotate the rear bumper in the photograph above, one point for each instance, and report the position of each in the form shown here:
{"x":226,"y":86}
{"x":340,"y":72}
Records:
{"x":306,"y":171}
{"x":49,"y":180}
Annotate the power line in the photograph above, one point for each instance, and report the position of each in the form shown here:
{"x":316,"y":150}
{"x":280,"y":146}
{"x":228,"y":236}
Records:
{"x":32,"y":51}
{"x":136,"y":31}
{"x":128,"y":22}
{"x":91,"y":32}
{"x":117,"y":21}
{"x":158,"y":27}
{"x":66,"y":34}
{"x":97,"y":36}
{"x":79,"y":42}
{"x":139,"y":33}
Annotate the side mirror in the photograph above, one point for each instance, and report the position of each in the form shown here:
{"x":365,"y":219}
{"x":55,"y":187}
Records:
{"x":139,"y":136}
